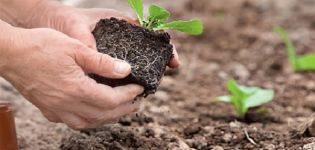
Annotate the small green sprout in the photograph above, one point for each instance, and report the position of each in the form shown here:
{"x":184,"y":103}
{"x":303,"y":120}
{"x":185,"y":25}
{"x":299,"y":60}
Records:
{"x":158,"y":17}
{"x":299,"y":63}
{"x":243,"y":97}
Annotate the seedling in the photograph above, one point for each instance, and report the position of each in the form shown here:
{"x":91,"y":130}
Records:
{"x":158,"y":17}
{"x":299,"y":63}
{"x":243,"y":97}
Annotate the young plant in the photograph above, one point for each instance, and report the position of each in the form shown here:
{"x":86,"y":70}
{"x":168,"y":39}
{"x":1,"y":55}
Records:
{"x":243,"y":97}
{"x":158,"y":17}
{"x":299,"y":63}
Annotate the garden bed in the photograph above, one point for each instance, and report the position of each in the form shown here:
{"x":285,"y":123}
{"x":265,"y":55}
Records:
{"x":238,"y":43}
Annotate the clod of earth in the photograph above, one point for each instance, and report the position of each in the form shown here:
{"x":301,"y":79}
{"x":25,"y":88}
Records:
{"x":147,"y":51}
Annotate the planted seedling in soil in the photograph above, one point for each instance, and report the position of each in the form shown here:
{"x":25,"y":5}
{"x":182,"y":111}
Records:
{"x":146,"y":48}
{"x":243,"y":98}
{"x":299,"y":63}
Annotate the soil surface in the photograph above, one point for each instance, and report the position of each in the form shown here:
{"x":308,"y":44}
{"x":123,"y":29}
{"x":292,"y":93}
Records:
{"x":147,"y":52}
{"x":238,"y":43}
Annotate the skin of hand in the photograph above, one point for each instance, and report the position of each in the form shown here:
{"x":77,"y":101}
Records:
{"x":49,"y":69}
{"x":78,"y":23}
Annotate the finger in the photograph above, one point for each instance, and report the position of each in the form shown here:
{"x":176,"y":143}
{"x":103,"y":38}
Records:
{"x":84,"y":35}
{"x":88,"y":112}
{"x":85,"y":110}
{"x":106,"y":97}
{"x":122,"y":111}
{"x":127,"y":93}
{"x":93,"y":113}
{"x":112,"y":116}
{"x":73,"y":121}
{"x":99,"y":124}
{"x":50,"y":116}
{"x":102,"y":64}
{"x":174,"y":63}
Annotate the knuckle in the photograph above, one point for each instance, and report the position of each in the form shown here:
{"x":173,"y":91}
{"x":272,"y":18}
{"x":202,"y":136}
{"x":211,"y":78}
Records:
{"x":82,"y":91}
{"x":79,"y":90}
{"x":105,"y":62}
{"x":77,"y":46}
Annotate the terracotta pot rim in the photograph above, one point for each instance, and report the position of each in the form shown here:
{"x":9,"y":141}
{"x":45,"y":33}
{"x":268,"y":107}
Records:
{"x":5,"y":107}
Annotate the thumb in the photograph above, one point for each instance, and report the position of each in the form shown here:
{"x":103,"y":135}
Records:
{"x":102,"y":64}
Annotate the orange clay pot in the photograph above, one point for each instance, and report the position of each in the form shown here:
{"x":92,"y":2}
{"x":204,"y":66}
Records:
{"x":8,"y":140}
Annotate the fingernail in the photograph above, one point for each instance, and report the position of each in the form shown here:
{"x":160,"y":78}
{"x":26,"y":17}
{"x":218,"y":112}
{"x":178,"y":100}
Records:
{"x":121,"y":67}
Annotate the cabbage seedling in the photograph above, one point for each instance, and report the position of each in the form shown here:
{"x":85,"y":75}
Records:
{"x":243,"y":98}
{"x":299,"y":63}
{"x":158,"y":17}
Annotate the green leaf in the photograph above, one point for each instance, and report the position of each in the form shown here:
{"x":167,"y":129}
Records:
{"x":289,"y":45}
{"x":158,"y":16}
{"x":248,"y":90}
{"x":137,"y":6}
{"x":306,"y":62}
{"x":259,"y":98}
{"x":193,"y":27}
{"x":300,"y":63}
{"x":244,"y":97}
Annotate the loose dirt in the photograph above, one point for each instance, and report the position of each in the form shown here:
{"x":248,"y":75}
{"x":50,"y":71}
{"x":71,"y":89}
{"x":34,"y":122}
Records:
{"x":238,"y":43}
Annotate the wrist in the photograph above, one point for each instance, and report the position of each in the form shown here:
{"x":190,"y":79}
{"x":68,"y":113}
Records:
{"x":48,"y":14}
{"x":17,"y":12}
{"x":8,"y":43}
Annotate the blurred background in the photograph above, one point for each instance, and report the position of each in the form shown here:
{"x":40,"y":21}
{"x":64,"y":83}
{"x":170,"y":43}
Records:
{"x":238,"y":43}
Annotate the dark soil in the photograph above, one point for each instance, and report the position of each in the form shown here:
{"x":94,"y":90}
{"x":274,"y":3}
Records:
{"x":147,"y":52}
{"x":113,"y":138}
{"x":120,"y":137}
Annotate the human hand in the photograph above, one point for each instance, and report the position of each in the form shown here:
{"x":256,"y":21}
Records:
{"x":49,"y":69}
{"x":79,"y":23}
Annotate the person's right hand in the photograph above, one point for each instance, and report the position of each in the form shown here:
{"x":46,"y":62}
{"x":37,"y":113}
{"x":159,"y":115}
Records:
{"x":49,"y":69}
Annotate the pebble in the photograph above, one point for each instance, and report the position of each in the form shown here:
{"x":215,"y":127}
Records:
{"x":241,"y":71}
{"x":200,"y":142}
{"x":310,"y":146}
{"x":209,"y":129}
{"x":235,"y":124}
{"x":162,"y":95}
{"x":217,"y":148}
{"x":310,"y":101}
{"x":310,"y":85}
{"x":227,"y":137}
{"x":270,"y":147}
{"x":192,"y":129}
{"x":159,"y":110}
{"x":223,"y":75}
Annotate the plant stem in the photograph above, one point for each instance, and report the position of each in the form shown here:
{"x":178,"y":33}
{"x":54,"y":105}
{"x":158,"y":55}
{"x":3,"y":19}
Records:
{"x":289,"y":46}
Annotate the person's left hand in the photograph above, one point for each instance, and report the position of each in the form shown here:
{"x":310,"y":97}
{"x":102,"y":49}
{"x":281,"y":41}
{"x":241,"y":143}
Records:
{"x":78,"y":23}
